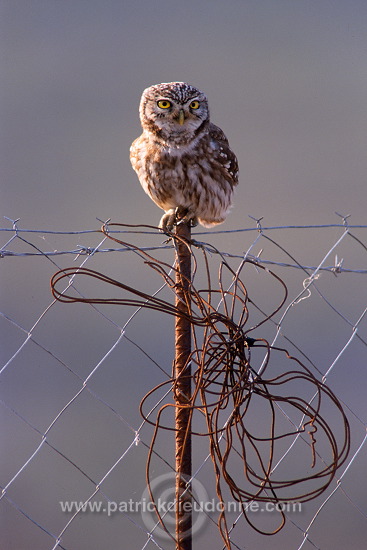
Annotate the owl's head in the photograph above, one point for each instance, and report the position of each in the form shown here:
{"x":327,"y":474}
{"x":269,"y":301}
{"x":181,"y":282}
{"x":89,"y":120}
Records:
{"x":174,"y":112}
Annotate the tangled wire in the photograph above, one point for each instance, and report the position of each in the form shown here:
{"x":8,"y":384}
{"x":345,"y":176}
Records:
{"x":233,"y":387}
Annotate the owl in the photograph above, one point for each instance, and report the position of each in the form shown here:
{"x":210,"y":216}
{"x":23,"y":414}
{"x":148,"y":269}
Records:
{"x":183,"y":161}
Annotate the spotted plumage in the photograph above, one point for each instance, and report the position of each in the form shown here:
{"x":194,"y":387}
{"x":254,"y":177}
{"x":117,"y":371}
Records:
{"x":183,"y":161}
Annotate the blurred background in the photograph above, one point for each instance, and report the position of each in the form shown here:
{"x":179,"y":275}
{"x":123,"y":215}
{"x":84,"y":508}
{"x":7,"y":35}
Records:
{"x":287,"y":82}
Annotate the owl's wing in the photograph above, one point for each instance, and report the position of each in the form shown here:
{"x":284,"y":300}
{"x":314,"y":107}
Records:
{"x":223,"y":153}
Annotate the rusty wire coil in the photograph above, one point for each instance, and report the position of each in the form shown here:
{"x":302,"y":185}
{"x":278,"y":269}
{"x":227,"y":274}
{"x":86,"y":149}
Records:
{"x":229,"y":385}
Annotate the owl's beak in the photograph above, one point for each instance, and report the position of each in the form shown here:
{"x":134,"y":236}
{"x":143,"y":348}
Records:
{"x":181,"y":117}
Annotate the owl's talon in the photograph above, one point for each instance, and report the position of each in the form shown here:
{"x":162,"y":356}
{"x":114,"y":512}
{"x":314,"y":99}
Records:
{"x":187,"y":219}
{"x":177,"y":216}
{"x":168,"y":220}
{"x":183,"y":215}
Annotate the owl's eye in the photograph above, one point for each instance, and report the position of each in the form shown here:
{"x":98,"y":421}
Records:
{"x":164,"y":104}
{"x":194,"y":105}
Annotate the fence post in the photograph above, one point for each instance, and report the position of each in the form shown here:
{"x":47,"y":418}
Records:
{"x":182,"y":373}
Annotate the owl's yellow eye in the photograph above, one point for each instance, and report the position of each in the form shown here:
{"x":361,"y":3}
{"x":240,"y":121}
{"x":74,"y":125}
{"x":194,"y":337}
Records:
{"x":164,"y":104}
{"x":194,"y":105}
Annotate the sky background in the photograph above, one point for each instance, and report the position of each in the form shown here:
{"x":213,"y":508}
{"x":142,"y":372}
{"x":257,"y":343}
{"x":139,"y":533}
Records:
{"x":287,"y":82}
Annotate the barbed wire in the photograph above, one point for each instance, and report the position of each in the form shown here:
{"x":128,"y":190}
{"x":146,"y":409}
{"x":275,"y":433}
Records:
{"x":243,"y":374}
{"x":81,"y":250}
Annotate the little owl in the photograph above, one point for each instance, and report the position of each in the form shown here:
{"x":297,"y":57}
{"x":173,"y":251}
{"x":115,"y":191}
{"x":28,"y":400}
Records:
{"x":183,"y":161}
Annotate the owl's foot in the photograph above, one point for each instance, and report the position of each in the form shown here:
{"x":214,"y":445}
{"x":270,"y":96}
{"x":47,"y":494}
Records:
{"x":176,"y":216}
{"x":183,"y":215}
{"x":168,"y":220}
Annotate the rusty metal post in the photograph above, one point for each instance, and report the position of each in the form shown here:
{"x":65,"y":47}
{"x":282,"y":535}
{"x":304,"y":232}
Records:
{"x":182,"y":374}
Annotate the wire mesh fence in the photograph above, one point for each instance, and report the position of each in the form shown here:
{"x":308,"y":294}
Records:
{"x":75,"y":446}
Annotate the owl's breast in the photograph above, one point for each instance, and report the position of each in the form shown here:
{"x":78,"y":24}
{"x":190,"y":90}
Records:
{"x":160,"y":172}
{"x":192,"y":176}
